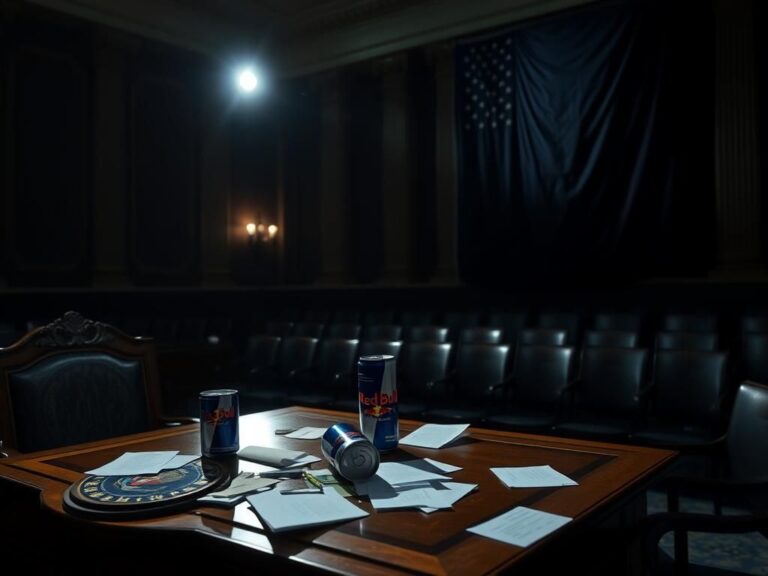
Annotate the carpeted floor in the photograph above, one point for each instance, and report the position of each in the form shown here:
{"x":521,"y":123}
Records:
{"x":744,"y":553}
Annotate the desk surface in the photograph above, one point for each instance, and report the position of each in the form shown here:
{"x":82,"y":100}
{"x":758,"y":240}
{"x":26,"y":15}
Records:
{"x":404,"y":541}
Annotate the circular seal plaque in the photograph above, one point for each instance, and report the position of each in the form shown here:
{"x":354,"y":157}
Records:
{"x":144,"y":495}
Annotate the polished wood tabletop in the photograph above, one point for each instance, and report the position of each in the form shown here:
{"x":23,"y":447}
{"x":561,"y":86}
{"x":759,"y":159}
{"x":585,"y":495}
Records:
{"x":388,"y":542}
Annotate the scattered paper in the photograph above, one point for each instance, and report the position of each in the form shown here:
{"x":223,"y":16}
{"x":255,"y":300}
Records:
{"x":286,"y":511}
{"x":441,"y":466}
{"x":307,"y":433}
{"x":434,"y":435}
{"x":276,"y":456}
{"x":532,"y":477}
{"x":433,"y":494}
{"x":408,"y":471}
{"x":180,"y":460}
{"x":135,"y":463}
{"x":520,"y":526}
{"x":244,"y":483}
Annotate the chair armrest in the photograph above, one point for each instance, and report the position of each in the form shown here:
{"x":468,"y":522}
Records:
{"x":652,"y":528}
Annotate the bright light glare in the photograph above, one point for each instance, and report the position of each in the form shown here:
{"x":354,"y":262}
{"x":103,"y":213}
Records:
{"x":247,"y":80}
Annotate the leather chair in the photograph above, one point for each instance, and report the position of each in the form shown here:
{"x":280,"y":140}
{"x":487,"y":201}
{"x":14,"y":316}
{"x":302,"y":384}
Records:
{"x":480,"y":335}
{"x":707,"y":341}
{"x":689,"y":322}
{"x":76,"y":380}
{"x":542,"y":375}
{"x":610,"y":339}
{"x":477,"y":383}
{"x":333,"y":374}
{"x":742,"y":481}
{"x":624,"y":321}
{"x":571,"y":322}
{"x":426,"y":333}
{"x":422,"y":364}
{"x":541,"y":337}
{"x":689,"y":389}
{"x":606,"y":396}
{"x":348,"y":331}
{"x":270,"y":388}
{"x":309,"y":329}
{"x":510,"y":323}
{"x":754,"y":357}
{"x":389,"y":332}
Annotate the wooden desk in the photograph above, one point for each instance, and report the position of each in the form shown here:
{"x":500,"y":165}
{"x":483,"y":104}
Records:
{"x":392,"y":542}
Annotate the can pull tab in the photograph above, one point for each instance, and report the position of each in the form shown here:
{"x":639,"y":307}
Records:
{"x":359,"y":460}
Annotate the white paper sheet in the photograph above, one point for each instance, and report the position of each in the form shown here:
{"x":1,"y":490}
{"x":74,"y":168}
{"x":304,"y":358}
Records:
{"x":180,"y":460}
{"x":398,"y":473}
{"x":135,"y":463}
{"x":532,"y":477}
{"x":307,"y":433}
{"x":286,"y":511}
{"x":520,"y":526}
{"x":276,"y":456}
{"x":434,"y":435}
{"x":431,"y":495}
{"x":442,"y":466}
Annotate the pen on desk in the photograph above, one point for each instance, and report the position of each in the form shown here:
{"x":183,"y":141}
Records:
{"x":312,"y":480}
{"x":285,"y":473}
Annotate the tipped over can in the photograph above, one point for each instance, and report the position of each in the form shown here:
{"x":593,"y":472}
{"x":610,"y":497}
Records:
{"x":349,"y":452}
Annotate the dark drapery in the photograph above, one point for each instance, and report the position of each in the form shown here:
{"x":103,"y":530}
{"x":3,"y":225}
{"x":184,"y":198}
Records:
{"x":585,"y":146}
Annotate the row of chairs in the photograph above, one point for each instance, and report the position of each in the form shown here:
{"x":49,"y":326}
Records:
{"x":659,"y":397}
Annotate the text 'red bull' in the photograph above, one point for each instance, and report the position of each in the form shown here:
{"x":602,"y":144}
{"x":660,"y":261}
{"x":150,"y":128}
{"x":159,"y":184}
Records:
{"x":377,"y":395}
{"x":219,"y":415}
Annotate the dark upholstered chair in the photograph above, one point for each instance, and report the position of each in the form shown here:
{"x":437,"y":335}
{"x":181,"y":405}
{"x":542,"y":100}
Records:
{"x":571,"y":322}
{"x":348,"y":331}
{"x":606,"y":396}
{"x":707,"y":341}
{"x":689,"y":322}
{"x":426,"y":333}
{"x":76,"y":380}
{"x":623,"y":321}
{"x":610,"y":339}
{"x":281,"y":328}
{"x":260,"y":354}
{"x":478,"y":381}
{"x":542,"y":375}
{"x":754,"y":357}
{"x":480,"y":335}
{"x":421,"y":364}
{"x":390,"y":332}
{"x":269,"y":388}
{"x":754,"y":323}
{"x":541,"y":337}
{"x":308,"y":329}
{"x":688,"y":392}
{"x":333,"y":375}
{"x":510,"y":323}
{"x":742,"y":482}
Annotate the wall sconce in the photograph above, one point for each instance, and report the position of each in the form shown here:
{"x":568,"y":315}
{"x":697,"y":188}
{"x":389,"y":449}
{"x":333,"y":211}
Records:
{"x":260,"y":232}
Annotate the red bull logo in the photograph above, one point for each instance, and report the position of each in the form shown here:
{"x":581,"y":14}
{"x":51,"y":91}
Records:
{"x":219,"y":415}
{"x":379,"y":404}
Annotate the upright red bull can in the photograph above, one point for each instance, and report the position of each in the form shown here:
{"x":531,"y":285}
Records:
{"x":219,"y":422}
{"x":377,"y":392}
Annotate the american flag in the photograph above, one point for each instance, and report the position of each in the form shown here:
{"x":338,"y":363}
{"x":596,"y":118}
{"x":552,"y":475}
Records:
{"x":487,"y":75}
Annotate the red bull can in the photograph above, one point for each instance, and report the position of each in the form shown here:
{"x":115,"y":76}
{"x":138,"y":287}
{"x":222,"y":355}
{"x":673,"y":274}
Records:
{"x":377,"y":392}
{"x":349,"y":452}
{"x":219,"y":422}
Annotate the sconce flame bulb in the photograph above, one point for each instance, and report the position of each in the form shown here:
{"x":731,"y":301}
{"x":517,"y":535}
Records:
{"x":250,"y":228}
{"x":272,"y":230}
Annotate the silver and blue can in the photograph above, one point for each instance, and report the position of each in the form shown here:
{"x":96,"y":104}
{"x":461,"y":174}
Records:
{"x":377,"y":393}
{"x":349,"y":452}
{"x":219,"y":422}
